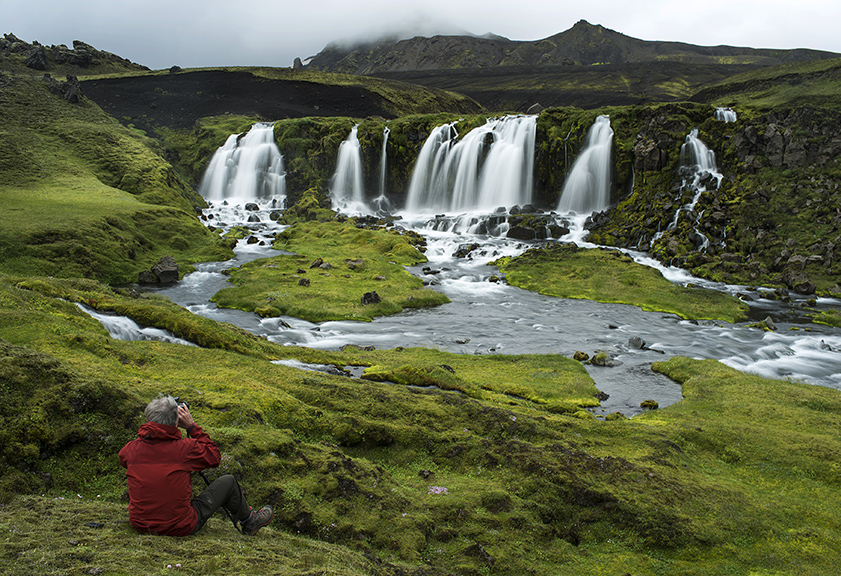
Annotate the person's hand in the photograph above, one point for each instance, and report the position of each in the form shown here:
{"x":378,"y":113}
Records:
{"x":185,"y":419}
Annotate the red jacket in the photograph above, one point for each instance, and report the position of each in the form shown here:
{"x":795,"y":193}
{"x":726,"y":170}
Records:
{"x":158,"y":466}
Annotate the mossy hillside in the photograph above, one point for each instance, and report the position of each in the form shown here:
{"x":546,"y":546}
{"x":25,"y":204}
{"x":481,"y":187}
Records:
{"x":34,"y":523}
{"x":736,"y":477}
{"x":191,"y":150}
{"x":757,"y":220}
{"x":84,"y":196}
{"x":566,"y":271}
{"x":813,"y":83}
{"x":354,"y":261}
{"x":562,"y":132}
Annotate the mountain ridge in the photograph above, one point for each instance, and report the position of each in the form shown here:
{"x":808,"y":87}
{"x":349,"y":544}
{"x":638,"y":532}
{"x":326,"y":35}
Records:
{"x":583,"y":44}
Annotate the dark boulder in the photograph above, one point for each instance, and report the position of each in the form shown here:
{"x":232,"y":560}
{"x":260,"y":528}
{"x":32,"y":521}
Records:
{"x":163,"y":272}
{"x":166,"y":269}
{"x":36,"y":58}
{"x":464,"y":250}
{"x":370,"y":298}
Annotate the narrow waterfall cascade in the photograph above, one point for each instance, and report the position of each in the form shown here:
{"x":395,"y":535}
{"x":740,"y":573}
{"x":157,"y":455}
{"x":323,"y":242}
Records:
{"x":491,"y":166}
{"x":725,"y":114}
{"x":246,"y":168}
{"x":382,"y":203}
{"x":698,"y":170}
{"x":587,"y":187}
{"x":346,"y":185}
{"x":123,"y":328}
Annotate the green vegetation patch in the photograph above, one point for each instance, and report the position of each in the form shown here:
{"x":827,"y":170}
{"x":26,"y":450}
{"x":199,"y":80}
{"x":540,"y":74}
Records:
{"x":334,"y":267}
{"x":84,"y":196}
{"x":370,"y":477}
{"x":566,"y":271}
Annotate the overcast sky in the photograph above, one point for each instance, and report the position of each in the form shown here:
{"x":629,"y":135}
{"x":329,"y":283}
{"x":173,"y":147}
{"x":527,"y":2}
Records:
{"x":193,"y":33}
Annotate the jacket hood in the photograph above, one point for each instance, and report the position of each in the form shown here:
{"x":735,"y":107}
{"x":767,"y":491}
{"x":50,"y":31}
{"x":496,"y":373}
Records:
{"x":153,"y":430}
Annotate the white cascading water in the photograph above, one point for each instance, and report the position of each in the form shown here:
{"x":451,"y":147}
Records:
{"x":381,"y":202}
{"x":491,"y":166}
{"x":725,"y":114}
{"x":698,"y":167}
{"x":246,"y":168}
{"x":587,"y":188}
{"x":346,"y":184}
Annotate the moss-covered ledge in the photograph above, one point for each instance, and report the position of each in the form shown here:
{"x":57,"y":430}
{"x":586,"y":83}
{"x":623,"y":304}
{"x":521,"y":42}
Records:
{"x":603,"y":275}
{"x":338,"y":272}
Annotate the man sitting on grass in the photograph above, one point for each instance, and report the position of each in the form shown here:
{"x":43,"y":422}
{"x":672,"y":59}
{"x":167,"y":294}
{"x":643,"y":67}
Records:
{"x":158,"y":465}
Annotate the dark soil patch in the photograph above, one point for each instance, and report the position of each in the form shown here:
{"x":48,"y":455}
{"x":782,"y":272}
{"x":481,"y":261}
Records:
{"x":178,"y":100}
{"x":516,"y":88}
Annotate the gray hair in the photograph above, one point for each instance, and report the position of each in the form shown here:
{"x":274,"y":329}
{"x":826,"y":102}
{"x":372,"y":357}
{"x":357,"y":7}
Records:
{"x":163,"y":410}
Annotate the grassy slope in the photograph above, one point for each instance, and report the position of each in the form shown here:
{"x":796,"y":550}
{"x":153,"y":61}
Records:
{"x":608,"y":276}
{"x":789,"y":85}
{"x":738,"y":477}
{"x":356,"y":262}
{"x":85,"y":196}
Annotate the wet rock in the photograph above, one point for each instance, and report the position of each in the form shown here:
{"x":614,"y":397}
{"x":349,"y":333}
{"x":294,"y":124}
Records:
{"x":602,"y":358}
{"x":636,"y":343}
{"x":252,"y":207}
{"x":580,"y":356}
{"x":317,"y":263}
{"x":464,"y":250}
{"x":163,"y":272}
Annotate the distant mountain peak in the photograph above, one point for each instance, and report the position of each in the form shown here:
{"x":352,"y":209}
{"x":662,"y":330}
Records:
{"x":584,"y":43}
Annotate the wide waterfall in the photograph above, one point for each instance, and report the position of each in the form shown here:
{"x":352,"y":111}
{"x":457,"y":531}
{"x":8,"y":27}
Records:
{"x":587,"y":188}
{"x":346,"y":185}
{"x":491,"y":166}
{"x":246,"y":168}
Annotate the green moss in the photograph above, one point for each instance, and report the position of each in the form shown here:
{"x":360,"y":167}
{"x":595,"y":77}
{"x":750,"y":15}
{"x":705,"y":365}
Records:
{"x":565,"y":271}
{"x":738,"y":474}
{"x":353,"y":262}
{"x":83,"y":196}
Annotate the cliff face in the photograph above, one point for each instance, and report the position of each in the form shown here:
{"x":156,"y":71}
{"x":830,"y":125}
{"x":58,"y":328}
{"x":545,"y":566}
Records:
{"x":584,"y":44}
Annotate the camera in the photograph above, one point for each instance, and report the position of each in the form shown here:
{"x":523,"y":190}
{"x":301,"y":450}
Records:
{"x":180,"y":402}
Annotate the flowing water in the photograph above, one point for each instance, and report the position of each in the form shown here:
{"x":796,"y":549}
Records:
{"x":725,"y":114}
{"x":246,"y":167}
{"x":491,"y":166}
{"x":490,"y":317}
{"x":587,"y":187}
{"x":346,"y":186}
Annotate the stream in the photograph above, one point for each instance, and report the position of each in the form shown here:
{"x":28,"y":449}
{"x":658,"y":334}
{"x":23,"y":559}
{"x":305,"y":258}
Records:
{"x":486,"y":317}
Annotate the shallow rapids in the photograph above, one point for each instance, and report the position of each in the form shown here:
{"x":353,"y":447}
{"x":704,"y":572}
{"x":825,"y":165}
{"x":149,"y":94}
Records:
{"x":487,"y":317}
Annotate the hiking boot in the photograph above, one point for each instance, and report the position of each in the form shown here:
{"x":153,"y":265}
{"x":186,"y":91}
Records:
{"x":256,"y":520}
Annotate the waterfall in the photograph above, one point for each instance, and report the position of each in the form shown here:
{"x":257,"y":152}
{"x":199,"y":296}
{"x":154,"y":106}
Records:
{"x":491,"y":166}
{"x":725,"y":114}
{"x":697,"y":168}
{"x":587,"y":188}
{"x":346,"y":185}
{"x":246,"y":168}
{"x":381,"y":202}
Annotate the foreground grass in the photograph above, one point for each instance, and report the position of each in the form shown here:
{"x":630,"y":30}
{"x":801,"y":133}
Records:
{"x":352,"y":262}
{"x":86,"y":535}
{"x":566,"y":271}
{"x":455,"y":465}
